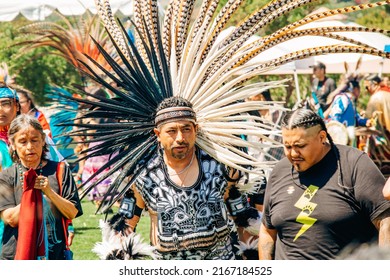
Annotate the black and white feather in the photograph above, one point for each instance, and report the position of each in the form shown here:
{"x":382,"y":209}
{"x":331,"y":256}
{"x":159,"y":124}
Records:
{"x":117,"y":245}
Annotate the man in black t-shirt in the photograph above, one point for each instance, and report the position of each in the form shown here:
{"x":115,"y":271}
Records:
{"x":322,"y":85}
{"x":321,"y":197}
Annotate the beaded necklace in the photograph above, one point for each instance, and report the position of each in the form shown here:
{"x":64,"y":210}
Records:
{"x":21,"y":171}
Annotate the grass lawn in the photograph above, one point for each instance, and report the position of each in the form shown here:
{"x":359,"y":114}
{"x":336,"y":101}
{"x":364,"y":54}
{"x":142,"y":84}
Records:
{"x":87,"y":231}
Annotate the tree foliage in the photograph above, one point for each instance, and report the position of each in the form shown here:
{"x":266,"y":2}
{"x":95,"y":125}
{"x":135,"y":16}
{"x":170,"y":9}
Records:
{"x":36,"y":69}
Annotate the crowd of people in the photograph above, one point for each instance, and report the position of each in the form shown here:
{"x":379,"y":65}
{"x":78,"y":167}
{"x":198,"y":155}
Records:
{"x":366,"y":128}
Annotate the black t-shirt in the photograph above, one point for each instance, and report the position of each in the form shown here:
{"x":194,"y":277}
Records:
{"x":314,"y":216}
{"x":11,"y":195}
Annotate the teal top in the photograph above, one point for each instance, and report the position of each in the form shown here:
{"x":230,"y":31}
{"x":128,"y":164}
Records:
{"x":6,"y":161}
{"x":5,"y":158}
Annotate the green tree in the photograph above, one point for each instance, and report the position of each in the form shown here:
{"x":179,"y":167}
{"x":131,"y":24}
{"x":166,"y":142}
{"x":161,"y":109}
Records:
{"x":36,"y":69}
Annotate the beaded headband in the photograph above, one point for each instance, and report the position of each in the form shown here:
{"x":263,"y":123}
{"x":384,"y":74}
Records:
{"x":174,"y":113}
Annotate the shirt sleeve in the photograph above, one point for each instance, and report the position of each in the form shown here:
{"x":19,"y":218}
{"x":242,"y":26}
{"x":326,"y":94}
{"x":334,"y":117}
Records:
{"x":360,"y":120}
{"x":69,"y":189}
{"x":266,"y":217}
{"x":7,"y":197}
{"x":369,"y":182}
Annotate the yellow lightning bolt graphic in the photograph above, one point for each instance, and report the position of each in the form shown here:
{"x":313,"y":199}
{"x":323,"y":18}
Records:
{"x":307,"y":208}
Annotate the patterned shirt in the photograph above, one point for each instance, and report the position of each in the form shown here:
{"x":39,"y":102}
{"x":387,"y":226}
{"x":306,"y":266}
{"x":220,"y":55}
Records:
{"x":189,"y":218}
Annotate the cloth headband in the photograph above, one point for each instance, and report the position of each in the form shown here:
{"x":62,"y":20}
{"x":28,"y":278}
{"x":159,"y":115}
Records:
{"x":174,"y":113}
{"x":6,"y":92}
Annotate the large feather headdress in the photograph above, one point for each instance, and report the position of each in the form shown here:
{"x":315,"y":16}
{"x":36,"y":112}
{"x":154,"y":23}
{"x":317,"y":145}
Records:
{"x":178,"y":56}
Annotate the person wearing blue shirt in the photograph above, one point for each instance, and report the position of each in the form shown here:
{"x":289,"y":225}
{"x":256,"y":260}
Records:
{"x":9,"y":108}
{"x":343,"y":110}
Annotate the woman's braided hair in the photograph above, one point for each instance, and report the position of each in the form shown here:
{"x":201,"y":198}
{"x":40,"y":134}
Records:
{"x":304,"y":118}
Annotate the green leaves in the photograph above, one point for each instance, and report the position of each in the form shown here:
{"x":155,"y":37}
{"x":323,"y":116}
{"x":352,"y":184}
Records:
{"x":35,"y":69}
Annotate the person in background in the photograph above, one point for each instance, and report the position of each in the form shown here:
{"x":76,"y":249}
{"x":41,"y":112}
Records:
{"x":386,"y":81}
{"x":322,"y":197}
{"x":378,"y":110}
{"x":90,"y":166}
{"x":9,"y":108}
{"x":379,"y":102}
{"x":322,"y":86}
{"x":27,"y":106}
{"x":343,"y":108}
{"x":273,"y":116}
{"x":37,"y":194}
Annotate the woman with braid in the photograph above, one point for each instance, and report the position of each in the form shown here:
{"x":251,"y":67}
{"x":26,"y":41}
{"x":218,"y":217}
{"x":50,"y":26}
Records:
{"x":321,"y":197}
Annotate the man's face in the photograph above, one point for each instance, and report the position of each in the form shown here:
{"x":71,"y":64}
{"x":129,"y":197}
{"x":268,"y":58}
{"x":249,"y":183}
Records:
{"x":356,"y":92}
{"x":370,"y":87}
{"x":386,"y":81}
{"x":8,"y":111}
{"x":317,"y":72}
{"x":25,"y":104}
{"x":177,"y":138}
{"x":303,"y":147}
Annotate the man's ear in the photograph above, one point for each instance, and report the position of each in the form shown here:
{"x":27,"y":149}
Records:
{"x":323,"y":136}
{"x":157,"y":132}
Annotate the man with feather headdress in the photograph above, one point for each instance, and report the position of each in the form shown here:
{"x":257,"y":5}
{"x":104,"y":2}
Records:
{"x":185,"y":190}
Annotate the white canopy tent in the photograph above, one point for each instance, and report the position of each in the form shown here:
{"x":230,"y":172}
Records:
{"x":40,"y":9}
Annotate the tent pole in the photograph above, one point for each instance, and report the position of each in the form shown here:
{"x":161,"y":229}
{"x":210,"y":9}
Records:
{"x":381,"y":67}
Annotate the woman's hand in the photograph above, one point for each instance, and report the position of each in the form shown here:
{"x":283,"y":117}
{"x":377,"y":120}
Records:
{"x":42,"y":183}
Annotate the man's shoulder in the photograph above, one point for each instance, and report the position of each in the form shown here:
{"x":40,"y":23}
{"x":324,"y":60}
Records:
{"x":330,"y":80}
{"x":348,"y":153}
{"x":381,"y":94}
{"x":151,"y":163}
{"x":282,"y":165}
{"x":204,"y":154}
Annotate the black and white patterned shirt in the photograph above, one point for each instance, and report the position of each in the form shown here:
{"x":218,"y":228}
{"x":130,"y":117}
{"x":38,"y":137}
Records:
{"x":190,"y":217}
